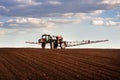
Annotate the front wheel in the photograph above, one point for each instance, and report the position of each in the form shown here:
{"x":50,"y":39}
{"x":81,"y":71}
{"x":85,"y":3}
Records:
{"x":43,"y":45}
{"x":63,"y":45}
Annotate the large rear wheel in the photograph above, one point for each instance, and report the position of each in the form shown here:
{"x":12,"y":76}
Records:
{"x":63,"y":45}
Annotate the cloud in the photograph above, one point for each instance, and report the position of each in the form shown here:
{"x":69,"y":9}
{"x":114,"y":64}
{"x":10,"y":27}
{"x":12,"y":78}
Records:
{"x":74,"y":15}
{"x":112,"y":23}
{"x":53,"y":2}
{"x":3,"y":9}
{"x":61,"y":21}
{"x":27,"y":23}
{"x":24,"y":3}
{"x":77,"y":17}
{"x":111,"y":2}
{"x":97,"y":12}
{"x":105,"y":22}
{"x":97,"y":22}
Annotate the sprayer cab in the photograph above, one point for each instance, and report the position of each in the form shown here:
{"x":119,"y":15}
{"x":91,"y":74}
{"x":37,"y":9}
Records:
{"x":45,"y":38}
{"x":54,"y":41}
{"x":48,"y":38}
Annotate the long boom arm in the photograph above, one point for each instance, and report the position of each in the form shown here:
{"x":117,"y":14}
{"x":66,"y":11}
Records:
{"x":84,"y":42}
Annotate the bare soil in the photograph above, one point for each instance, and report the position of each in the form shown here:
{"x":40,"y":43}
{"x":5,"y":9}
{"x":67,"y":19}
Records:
{"x":59,"y":64}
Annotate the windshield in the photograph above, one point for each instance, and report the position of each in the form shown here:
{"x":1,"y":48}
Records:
{"x":44,"y":36}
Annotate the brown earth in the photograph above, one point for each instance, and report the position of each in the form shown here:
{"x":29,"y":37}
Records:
{"x":57,"y":64}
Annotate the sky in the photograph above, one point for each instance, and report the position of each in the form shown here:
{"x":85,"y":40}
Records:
{"x":75,"y":20}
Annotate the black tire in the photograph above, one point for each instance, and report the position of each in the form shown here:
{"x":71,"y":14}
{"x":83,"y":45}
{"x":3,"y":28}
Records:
{"x":43,"y":45}
{"x":53,"y":45}
{"x":63,"y":45}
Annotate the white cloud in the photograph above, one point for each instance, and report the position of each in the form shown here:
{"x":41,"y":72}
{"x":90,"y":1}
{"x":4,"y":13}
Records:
{"x":112,"y":23}
{"x":54,"y":2}
{"x":10,"y":20}
{"x":24,"y":3}
{"x":111,"y":2}
{"x":20,"y":22}
{"x":61,"y":21}
{"x":77,"y":17}
{"x":105,"y":22}
{"x":3,"y":8}
{"x":81,"y":16}
{"x":98,"y":22}
{"x":97,"y":12}
{"x":69,"y":15}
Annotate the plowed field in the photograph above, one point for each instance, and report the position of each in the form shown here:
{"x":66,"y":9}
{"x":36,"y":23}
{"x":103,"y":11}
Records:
{"x":57,"y":64}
